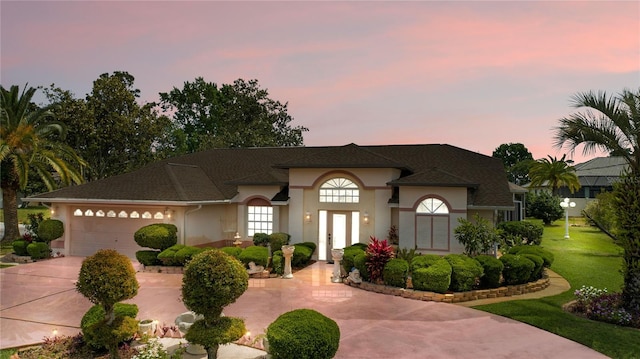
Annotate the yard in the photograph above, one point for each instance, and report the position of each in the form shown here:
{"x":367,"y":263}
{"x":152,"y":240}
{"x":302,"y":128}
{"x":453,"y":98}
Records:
{"x":588,"y":258}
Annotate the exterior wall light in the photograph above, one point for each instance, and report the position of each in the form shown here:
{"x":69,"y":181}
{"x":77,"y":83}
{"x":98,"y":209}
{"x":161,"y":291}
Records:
{"x":307,"y":217}
{"x":168,"y":213}
{"x":366,"y":217}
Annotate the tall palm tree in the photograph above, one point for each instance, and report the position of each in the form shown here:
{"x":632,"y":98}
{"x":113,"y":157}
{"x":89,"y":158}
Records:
{"x":554,"y":173}
{"x":30,"y":141}
{"x":612,"y":123}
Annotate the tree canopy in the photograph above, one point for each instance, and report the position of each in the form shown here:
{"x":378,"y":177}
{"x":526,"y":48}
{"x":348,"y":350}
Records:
{"x":517,"y":161}
{"x":554,"y":173}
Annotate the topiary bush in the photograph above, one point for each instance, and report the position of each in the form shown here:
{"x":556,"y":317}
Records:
{"x":232,"y":251}
{"x":537,"y":269}
{"x":395,"y":273}
{"x":303,"y":334}
{"x":278,"y":239}
{"x":524,"y":232}
{"x":435,"y":278}
{"x":546,"y":255}
{"x":38,"y":250}
{"x":157,"y":236}
{"x":360,"y":262}
{"x":492,"y":271}
{"x":362,"y":246}
{"x":256,"y":254}
{"x":168,"y":256}
{"x":222,"y":330}
{"x":466,"y":272}
{"x":301,"y":256}
{"x":96,"y":314}
{"x":310,"y":245}
{"x":347,"y":258}
{"x":517,"y":269}
{"x":110,"y":334}
{"x":20,"y":247}
{"x":148,"y":258}
{"x":50,"y":229}
{"x":261,"y":239}
{"x":185,"y":254}
{"x":277,"y":261}
{"x":424,"y":261}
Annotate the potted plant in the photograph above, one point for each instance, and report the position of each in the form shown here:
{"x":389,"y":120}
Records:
{"x":146,"y":327}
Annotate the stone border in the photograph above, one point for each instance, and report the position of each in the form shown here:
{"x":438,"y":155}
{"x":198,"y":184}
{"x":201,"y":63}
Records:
{"x":457,"y":297}
{"x":180,"y":270}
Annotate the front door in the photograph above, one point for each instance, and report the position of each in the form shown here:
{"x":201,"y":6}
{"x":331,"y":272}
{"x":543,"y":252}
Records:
{"x":338,"y":231}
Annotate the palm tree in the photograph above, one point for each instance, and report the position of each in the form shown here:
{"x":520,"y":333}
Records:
{"x":554,"y":173}
{"x":612,"y":123}
{"x":29,"y":141}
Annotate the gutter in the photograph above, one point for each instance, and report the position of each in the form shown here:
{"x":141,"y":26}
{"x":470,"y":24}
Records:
{"x":124,"y":201}
{"x":184,"y":223}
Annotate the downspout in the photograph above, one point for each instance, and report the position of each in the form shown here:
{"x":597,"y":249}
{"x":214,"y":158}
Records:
{"x":184,"y":223}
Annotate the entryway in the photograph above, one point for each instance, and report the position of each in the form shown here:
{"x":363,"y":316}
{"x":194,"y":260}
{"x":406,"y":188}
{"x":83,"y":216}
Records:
{"x":337,"y":229}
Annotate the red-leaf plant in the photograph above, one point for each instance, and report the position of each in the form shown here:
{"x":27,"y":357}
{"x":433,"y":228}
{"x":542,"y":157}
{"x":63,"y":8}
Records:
{"x":378,"y":253}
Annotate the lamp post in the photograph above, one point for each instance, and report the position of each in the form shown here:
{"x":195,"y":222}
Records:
{"x":566,"y":204}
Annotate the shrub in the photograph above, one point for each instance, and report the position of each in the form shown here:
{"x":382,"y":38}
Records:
{"x":407,"y":254}
{"x":222,"y":330}
{"x":232,"y":251}
{"x":278,"y":239}
{"x":20,"y":247}
{"x":546,"y":255}
{"x":109,"y":334}
{"x":537,"y":269}
{"x":492,"y":271}
{"x":362,"y":246}
{"x":168,"y":256}
{"x":424,"y":261}
{"x":33,"y":222}
{"x":360,"y":262}
{"x":50,"y":229}
{"x":211,"y":281}
{"x":310,"y":245}
{"x":602,"y":211}
{"x":38,"y":250}
{"x":395,"y":273}
{"x":256,"y":254}
{"x":148,"y":257}
{"x":524,"y":232}
{"x":303,"y":334}
{"x":277,"y":261}
{"x":185,"y":254}
{"x":378,"y":254}
{"x":157,"y":236}
{"x":301,"y":256}
{"x":347,"y":258}
{"x":544,"y":206}
{"x":478,"y":236}
{"x":435,"y":278}
{"x":517,"y":269}
{"x":96,"y":314}
{"x":465,"y":272}
{"x":261,"y":239}
{"x":608,"y":308}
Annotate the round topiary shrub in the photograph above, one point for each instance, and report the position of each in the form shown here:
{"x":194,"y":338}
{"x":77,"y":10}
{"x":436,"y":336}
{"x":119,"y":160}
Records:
{"x":96,"y":314}
{"x":20,"y":247}
{"x":424,"y":261}
{"x":435,"y":278}
{"x":395,"y":273}
{"x":110,"y":334}
{"x":303,"y":334}
{"x":211,"y":281}
{"x":279,"y":239}
{"x":222,"y":330}
{"x":256,"y":254}
{"x":492,"y":271}
{"x":157,"y":236}
{"x":148,"y":258}
{"x":38,"y":250}
{"x":517,"y":269}
{"x":349,"y":255}
{"x":539,"y":266}
{"x":301,"y":256}
{"x":232,"y":251}
{"x":261,"y":239}
{"x":465,"y":272}
{"x":49,"y":230}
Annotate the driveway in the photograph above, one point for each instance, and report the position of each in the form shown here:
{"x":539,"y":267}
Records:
{"x":38,"y":298}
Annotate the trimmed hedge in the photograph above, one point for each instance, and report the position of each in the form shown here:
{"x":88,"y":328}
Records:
{"x":168,"y":256}
{"x":303,"y":334}
{"x":526,"y":232}
{"x":435,"y":278}
{"x":38,"y":250}
{"x":310,"y":245}
{"x":185,"y":254}
{"x":20,"y":247}
{"x":261,"y":239}
{"x":492,"y":271}
{"x":96,"y":314}
{"x":277,"y":261}
{"x":347,"y":258}
{"x":232,"y":251}
{"x":360,"y":262}
{"x":539,"y":266}
{"x":222,"y":331}
{"x":395,"y":273}
{"x":424,"y":261}
{"x":547,"y":256}
{"x":157,"y":236}
{"x":256,"y":254}
{"x":278,"y":239}
{"x":465,"y":272}
{"x":362,"y":246}
{"x":517,"y":269}
{"x":148,"y":258}
{"x":50,"y":229}
{"x":301,"y":256}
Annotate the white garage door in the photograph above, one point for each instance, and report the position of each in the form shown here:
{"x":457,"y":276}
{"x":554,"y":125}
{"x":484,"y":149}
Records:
{"x":89,"y":234}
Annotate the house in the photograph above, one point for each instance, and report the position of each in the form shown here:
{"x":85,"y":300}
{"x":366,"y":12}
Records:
{"x":595,"y":176}
{"x":333,"y":196}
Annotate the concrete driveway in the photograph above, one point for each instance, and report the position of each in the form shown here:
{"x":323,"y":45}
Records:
{"x":39,"y":298}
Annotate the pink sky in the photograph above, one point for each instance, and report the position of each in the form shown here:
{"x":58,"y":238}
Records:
{"x":471,"y":74}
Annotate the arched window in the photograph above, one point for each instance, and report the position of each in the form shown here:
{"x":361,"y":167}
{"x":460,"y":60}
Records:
{"x":432,"y":225}
{"x":339,"y":190}
{"x":432,"y":206}
{"x":259,"y":217}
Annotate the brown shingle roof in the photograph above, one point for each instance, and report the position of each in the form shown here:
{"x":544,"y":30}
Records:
{"x":214,"y":175}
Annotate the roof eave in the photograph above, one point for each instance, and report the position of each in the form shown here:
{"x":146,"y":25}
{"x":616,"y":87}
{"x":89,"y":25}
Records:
{"x":124,"y":201}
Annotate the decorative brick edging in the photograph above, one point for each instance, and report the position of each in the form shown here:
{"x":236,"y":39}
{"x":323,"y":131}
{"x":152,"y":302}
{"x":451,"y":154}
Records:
{"x":457,"y":297}
{"x":180,"y":270}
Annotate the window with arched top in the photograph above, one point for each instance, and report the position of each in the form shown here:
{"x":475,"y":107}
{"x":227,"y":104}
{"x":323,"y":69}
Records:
{"x":433,"y":225}
{"x":339,"y":190}
{"x":259,"y":217}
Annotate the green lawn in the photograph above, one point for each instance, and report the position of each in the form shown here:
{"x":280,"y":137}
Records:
{"x":24,"y":212}
{"x":588,"y":258}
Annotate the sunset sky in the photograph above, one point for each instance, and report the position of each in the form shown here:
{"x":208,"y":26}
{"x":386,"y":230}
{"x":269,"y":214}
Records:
{"x":471,"y":74}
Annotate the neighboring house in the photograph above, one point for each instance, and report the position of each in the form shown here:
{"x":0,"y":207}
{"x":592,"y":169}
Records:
{"x":595,"y":176}
{"x":519,"y":201}
{"x":333,"y":196}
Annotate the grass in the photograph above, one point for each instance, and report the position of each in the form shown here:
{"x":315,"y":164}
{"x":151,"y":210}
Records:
{"x":24,"y":212}
{"x":588,"y":258}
